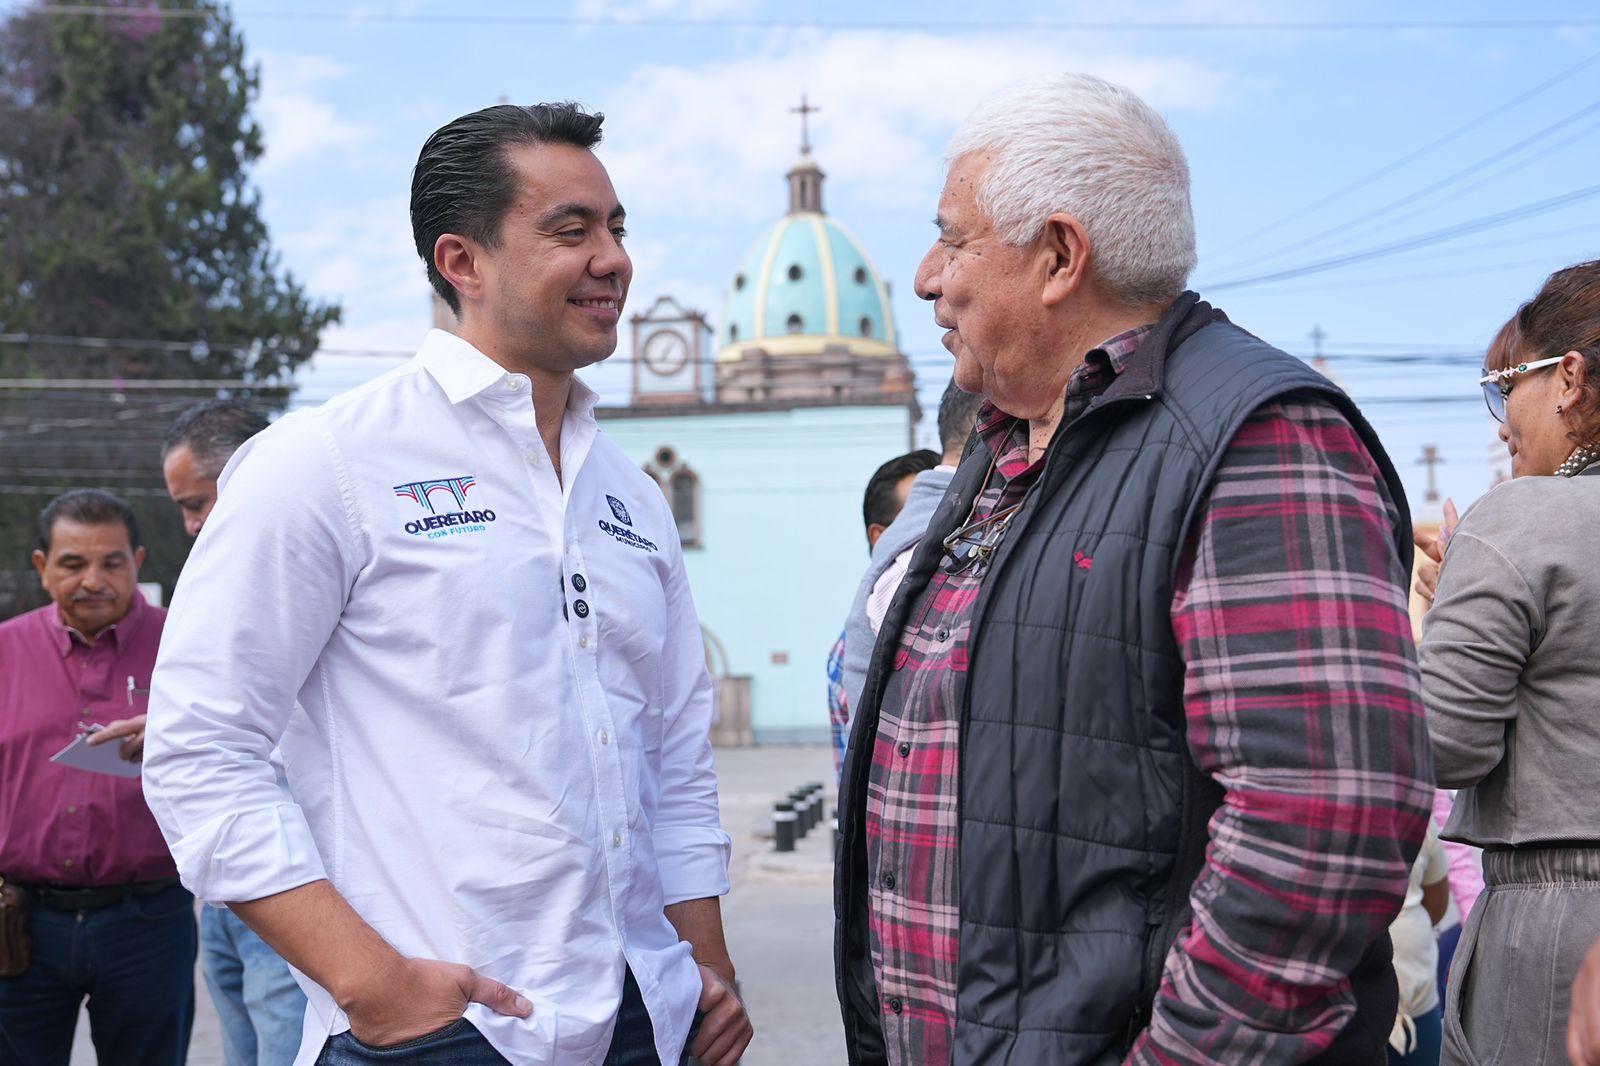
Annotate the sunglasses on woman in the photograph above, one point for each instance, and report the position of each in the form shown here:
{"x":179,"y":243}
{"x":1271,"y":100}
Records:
{"x":1497,"y":384}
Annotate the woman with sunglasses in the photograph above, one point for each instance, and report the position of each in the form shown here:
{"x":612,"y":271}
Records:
{"x":1510,"y":660}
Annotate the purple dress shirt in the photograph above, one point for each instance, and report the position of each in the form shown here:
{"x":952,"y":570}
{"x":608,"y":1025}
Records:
{"x":60,"y":825}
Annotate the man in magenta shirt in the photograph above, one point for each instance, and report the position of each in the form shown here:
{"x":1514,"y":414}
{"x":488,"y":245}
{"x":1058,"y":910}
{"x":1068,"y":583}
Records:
{"x":107,"y":917}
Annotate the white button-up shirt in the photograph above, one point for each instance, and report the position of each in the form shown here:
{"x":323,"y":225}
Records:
{"x":489,"y":688}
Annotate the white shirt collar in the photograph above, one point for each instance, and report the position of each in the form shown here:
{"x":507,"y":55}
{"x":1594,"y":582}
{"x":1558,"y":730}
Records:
{"x":463,"y":372}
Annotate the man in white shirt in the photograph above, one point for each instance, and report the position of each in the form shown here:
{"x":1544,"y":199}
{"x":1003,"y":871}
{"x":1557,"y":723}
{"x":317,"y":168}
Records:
{"x":464,"y":617}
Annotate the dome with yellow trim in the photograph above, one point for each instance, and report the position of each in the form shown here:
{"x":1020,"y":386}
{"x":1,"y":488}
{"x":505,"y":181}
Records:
{"x":807,"y":284}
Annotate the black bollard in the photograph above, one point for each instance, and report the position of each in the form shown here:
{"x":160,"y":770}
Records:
{"x":797,"y":800}
{"x":784,"y":822}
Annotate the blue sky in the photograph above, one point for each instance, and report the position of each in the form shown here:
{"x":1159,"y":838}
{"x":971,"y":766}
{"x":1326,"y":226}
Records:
{"x":698,"y":136}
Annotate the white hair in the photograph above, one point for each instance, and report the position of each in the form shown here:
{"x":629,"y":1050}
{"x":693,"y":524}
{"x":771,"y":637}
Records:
{"x":1077,"y":144}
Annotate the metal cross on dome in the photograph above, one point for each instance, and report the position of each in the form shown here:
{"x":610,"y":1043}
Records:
{"x":805,"y":111}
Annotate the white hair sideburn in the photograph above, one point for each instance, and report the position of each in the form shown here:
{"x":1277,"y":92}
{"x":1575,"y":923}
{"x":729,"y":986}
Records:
{"x":1078,"y":144}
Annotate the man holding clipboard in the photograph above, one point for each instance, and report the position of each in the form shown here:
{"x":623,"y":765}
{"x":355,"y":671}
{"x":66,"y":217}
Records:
{"x":105,"y":914}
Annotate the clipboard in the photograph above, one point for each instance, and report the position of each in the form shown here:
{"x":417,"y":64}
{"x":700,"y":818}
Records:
{"x":100,"y":759}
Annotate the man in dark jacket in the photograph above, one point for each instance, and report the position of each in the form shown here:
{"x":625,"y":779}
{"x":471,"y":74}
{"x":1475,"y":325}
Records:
{"x":1140,"y":766}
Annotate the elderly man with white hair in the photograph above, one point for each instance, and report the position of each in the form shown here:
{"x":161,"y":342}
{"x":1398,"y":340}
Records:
{"x":1140,"y":766}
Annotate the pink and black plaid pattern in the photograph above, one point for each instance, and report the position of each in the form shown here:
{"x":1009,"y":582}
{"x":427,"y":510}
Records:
{"x":1303,"y":701}
{"x":912,"y":834}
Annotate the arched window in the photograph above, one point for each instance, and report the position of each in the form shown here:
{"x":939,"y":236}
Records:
{"x":795,"y":323}
{"x":795,"y":273}
{"x":681,"y":486}
{"x":685,"y":500}
{"x":866,"y":326}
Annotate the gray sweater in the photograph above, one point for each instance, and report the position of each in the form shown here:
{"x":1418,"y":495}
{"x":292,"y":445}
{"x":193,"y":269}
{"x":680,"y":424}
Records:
{"x":1511,"y":665}
{"x":926,"y":493}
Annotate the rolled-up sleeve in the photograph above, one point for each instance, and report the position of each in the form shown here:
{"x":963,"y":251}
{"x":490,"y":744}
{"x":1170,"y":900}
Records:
{"x":692,"y":850}
{"x":261,"y":593}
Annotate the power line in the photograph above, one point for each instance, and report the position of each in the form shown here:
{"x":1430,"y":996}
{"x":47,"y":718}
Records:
{"x":1419,"y":241}
{"x":619,"y":21}
{"x":1474,"y":168}
{"x":1411,"y":157}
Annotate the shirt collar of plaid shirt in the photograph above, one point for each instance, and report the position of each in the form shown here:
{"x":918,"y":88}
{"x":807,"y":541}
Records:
{"x":1100,"y":367}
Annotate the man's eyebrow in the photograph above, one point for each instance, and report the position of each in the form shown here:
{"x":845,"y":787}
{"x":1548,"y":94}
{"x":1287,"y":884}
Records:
{"x":567,"y":210}
{"x":943,"y":226}
{"x":576,"y":210}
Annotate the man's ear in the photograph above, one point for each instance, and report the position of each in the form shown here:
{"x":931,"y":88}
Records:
{"x":1064,"y":254}
{"x":456,"y":258}
{"x":874,"y":531}
{"x":138,"y":558}
{"x":39,"y":562}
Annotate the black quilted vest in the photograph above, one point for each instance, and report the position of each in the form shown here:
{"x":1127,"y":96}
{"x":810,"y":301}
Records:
{"x":1083,"y":818}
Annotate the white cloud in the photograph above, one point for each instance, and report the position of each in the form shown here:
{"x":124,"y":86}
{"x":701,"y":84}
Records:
{"x":298,"y":122}
{"x":712,"y":140}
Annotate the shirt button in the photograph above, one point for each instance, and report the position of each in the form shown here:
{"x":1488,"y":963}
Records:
{"x":84,"y":712}
{"x":532,"y":457}
{"x":943,"y":633}
{"x":514,"y":384}
{"x":905,"y":749}
{"x":72,"y":810}
{"x":578,"y":583}
{"x":895,"y":1004}
{"x":888,"y":881}
{"x":580,"y":608}
{"x":67,"y":863}
{"x":605,"y":738}
{"x":583,"y":641}
{"x":616,"y":840}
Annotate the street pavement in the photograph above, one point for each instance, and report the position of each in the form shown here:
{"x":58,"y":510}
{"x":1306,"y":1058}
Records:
{"x":779,"y":920}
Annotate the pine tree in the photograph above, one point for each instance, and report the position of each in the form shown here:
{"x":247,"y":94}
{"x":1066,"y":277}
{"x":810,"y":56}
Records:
{"x":126,"y":212}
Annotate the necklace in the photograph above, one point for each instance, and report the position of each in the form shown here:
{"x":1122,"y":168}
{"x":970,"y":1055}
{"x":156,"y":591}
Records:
{"x":1577,"y":461}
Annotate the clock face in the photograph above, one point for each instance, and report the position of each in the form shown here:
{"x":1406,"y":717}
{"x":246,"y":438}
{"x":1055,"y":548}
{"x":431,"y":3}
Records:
{"x":665,"y":352}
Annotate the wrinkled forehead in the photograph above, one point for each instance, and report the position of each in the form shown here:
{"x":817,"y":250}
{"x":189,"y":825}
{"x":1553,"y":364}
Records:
{"x":557,"y":177}
{"x":89,"y":540}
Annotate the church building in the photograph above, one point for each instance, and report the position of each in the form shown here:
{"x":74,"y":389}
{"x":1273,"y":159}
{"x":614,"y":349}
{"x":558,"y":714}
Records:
{"x":762,"y":429}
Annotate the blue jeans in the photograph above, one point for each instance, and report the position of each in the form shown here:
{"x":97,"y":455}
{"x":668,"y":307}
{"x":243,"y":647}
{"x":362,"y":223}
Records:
{"x":135,"y":962}
{"x":457,"y":1044}
{"x":633,"y":1042}
{"x":261,"y":1007}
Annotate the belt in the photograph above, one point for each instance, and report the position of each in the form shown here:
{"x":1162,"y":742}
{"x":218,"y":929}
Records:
{"x":61,"y":898}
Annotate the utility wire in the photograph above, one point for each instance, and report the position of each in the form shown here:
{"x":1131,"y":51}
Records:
{"x":621,"y":21}
{"x":1473,"y":169}
{"x":1411,"y":157}
{"x":1421,"y":240}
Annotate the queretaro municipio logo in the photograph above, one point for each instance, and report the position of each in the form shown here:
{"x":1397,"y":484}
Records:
{"x":450,"y":493}
{"x":619,"y":509}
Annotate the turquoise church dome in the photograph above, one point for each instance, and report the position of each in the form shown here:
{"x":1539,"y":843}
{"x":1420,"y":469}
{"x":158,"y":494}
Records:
{"x":807,"y":284}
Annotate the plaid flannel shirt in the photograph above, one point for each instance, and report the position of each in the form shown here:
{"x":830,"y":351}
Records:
{"x":1291,"y":616}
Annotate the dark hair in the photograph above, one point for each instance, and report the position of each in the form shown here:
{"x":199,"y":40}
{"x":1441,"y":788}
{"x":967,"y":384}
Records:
{"x":464,"y":182}
{"x":1564,"y":317}
{"x":89,"y":507}
{"x":213,"y":431}
{"x":958,"y":414}
{"x":881,"y":504}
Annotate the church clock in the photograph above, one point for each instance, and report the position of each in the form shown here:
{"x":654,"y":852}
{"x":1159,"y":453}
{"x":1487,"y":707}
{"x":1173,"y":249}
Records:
{"x":665,"y":352}
{"x":672,"y":352}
